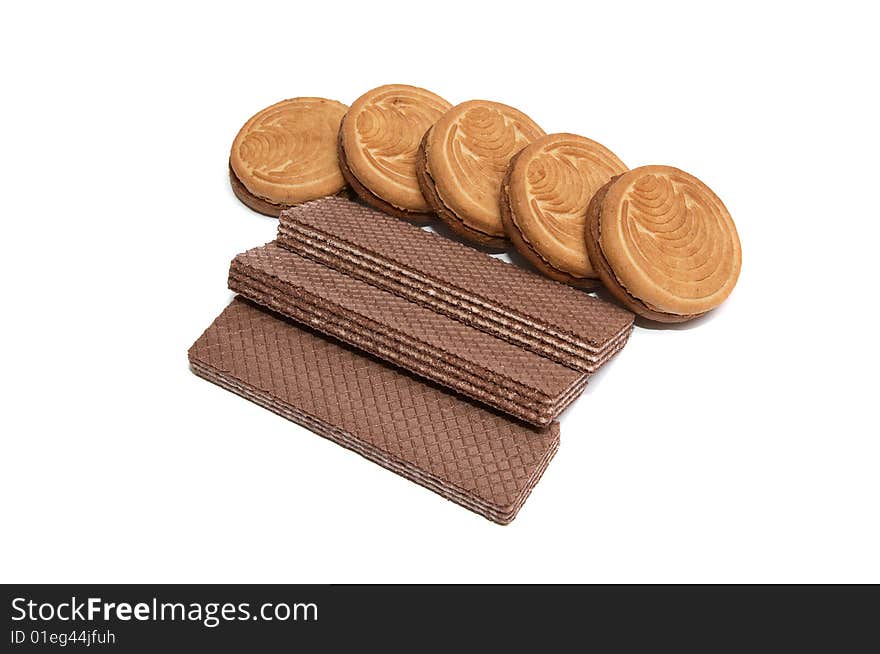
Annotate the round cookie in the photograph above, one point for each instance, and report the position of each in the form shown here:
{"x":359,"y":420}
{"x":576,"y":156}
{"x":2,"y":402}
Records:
{"x":377,"y":146}
{"x":462,"y":162}
{"x":286,"y":155}
{"x":544,"y":198}
{"x":663,"y":244}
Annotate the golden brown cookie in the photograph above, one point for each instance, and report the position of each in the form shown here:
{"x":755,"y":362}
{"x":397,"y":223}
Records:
{"x":544,"y":198}
{"x":663,"y":244}
{"x":378,"y":143}
{"x":462,"y":161}
{"x":286,"y":155}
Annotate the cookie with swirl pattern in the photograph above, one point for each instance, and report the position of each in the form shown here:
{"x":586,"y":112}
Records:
{"x":544,"y":198}
{"x":462,"y":161}
{"x":663,"y":243}
{"x":378,"y":142}
{"x":286,"y":155}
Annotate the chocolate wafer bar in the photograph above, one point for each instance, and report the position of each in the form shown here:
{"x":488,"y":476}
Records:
{"x":546,"y":317}
{"x":470,"y":455}
{"x":510,"y":378}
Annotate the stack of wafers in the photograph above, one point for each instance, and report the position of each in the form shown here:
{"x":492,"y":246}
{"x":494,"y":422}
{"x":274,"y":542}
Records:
{"x":443,"y":364}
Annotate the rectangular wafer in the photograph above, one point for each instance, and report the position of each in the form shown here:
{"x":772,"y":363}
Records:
{"x":510,"y":378}
{"x":466,"y":453}
{"x":549,"y":318}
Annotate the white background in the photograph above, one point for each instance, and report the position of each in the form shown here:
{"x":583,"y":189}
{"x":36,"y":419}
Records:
{"x":743,"y":448}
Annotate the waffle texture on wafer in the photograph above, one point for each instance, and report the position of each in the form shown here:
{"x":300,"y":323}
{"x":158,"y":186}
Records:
{"x":286,"y":154}
{"x":663,"y":243}
{"x":548,"y":318}
{"x":378,"y":143}
{"x":544,"y":198}
{"x":462,"y":162}
{"x":472,"y":456}
{"x":488,"y":369}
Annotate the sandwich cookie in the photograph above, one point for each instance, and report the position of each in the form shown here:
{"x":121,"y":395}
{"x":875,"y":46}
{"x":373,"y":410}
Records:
{"x":544,"y":198}
{"x":663,"y":244}
{"x":462,"y":161}
{"x":286,"y":155}
{"x":377,"y":146}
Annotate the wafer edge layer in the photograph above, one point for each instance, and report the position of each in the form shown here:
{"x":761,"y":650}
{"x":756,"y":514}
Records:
{"x":326,"y":323}
{"x":537,"y":341}
{"x":294,"y":219}
{"x":287,"y":291}
{"x":289,"y":228}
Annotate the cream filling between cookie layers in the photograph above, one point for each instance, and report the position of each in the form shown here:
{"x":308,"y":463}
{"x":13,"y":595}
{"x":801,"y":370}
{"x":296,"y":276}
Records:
{"x":449,"y":208}
{"x":626,"y":290}
{"x":522,"y":234}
